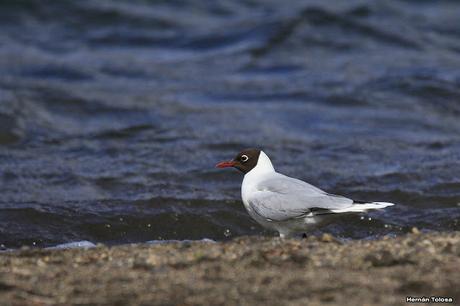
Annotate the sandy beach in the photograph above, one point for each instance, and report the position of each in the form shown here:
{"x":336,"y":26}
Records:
{"x":244,"y":271}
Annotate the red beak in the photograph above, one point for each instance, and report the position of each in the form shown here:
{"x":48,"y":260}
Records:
{"x":226,"y":164}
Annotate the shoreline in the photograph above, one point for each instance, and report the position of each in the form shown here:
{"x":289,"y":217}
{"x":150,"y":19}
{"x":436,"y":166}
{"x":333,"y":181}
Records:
{"x":242,"y":271}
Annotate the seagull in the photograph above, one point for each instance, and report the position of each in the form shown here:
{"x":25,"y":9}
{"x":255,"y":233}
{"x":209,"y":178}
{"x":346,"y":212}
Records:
{"x":285,"y":204}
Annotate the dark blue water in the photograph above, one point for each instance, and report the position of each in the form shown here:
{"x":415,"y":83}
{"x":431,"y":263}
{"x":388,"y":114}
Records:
{"x":114,"y":113}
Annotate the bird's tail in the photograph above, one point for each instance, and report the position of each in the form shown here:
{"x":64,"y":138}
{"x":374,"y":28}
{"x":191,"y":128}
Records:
{"x":362,"y":207}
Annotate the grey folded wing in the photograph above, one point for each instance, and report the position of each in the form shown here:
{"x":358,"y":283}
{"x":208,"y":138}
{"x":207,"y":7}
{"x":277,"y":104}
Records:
{"x":281,"y":198}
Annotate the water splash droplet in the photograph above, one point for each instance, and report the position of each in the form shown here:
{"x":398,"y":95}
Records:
{"x":227,"y":233}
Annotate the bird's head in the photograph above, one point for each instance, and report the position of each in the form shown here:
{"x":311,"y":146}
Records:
{"x":244,"y":161}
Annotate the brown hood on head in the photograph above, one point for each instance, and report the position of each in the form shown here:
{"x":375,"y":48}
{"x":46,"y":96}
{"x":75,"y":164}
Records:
{"x":245,"y":161}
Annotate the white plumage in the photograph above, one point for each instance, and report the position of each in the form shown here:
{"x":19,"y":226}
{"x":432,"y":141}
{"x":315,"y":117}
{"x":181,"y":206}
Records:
{"x":289,"y":205}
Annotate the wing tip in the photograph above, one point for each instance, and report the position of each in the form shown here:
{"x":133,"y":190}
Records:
{"x":363,"y":206}
{"x":383,"y":204}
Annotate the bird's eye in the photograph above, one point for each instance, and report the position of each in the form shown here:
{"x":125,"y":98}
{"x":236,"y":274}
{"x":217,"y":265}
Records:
{"x":244,"y":158}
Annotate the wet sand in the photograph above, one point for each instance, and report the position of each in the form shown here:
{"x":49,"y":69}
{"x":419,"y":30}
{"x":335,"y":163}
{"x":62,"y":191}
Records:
{"x":244,"y":271}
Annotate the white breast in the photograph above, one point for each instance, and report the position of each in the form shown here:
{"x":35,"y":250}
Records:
{"x":260,"y":172}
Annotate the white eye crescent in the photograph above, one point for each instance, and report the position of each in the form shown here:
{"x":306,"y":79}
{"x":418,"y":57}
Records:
{"x":244,"y":158}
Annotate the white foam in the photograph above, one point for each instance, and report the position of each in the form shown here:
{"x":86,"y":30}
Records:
{"x":204,"y":240}
{"x":74,"y":245}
